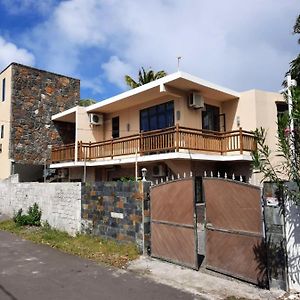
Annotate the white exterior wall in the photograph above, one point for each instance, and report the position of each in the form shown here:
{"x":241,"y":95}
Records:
{"x":293,"y":244}
{"x":60,"y":202}
{"x":5,"y":119}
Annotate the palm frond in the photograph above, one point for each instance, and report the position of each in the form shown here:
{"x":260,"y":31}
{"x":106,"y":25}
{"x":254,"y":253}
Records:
{"x":131,"y":82}
{"x":144,"y":77}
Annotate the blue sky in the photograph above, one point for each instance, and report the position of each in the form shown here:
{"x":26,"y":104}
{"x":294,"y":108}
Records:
{"x":238,"y":44}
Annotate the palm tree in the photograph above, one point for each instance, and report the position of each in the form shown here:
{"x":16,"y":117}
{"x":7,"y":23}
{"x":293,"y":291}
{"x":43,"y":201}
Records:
{"x":86,"y":102}
{"x":144,"y":77}
{"x":296,"y":28}
{"x":295,"y":63}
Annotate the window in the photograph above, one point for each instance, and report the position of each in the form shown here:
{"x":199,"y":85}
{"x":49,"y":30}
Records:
{"x":1,"y":131}
{"x":3,"y":89}
{"x":157,"y":117}
{"x":211,"y":118}
{"x":282,"y":108}
{"x":115,"y":127}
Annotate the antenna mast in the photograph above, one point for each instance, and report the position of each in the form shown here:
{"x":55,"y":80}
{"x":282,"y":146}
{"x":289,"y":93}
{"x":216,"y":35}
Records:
{"x":178,"y":62}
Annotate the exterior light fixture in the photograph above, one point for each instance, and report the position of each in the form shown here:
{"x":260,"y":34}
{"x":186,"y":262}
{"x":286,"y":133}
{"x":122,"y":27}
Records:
{"x":144,"y":172}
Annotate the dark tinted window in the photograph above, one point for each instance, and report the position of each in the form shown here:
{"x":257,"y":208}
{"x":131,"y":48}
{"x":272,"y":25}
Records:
{"x":3,"y":89}
{"x":115,"y":127}
{"x":211,"y":118}
{"x":157,"y":117}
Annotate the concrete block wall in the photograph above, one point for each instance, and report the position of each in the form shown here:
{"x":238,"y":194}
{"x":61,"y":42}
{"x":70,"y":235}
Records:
{"x":292,"y":236}
{"x":60,"y":202}
{"x":283,"y":235}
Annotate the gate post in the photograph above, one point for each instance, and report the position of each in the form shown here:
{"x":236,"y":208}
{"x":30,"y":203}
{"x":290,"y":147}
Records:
{"x":146,"y":217}
{"x":275,"y":241}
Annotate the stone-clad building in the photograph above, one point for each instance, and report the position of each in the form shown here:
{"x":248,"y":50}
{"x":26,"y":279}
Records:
{"x":28,"y":99}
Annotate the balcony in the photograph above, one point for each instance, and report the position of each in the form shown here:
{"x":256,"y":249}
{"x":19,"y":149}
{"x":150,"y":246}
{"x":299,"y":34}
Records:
{"x":172,"y":139}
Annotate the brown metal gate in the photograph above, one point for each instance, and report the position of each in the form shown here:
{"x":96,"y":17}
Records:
{"x":234,"y":230}
{"x":173,"y":222}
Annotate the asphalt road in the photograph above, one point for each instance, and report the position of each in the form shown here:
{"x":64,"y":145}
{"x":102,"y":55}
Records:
{"x":29,"y":271}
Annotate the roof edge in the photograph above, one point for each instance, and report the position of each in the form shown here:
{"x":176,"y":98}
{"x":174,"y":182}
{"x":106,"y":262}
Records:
{"x":37,"y":69}
{"x":163,"y":80}
{"x":64,"y":113}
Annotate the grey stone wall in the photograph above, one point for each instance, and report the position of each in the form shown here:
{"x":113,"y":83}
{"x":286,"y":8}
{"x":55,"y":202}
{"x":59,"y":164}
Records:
{"x":36,"y":96}
{"x":115,"y":210}
{"x":65,"y":132}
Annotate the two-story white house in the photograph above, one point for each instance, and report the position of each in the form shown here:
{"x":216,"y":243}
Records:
{"x":175,"y":125}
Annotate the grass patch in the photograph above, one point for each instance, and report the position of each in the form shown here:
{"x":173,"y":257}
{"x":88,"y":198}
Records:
{"x":94,"y":248}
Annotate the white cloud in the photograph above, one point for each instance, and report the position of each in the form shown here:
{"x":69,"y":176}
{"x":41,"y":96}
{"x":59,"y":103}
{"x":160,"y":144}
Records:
{"x":94,"y":84}
{"x":9,"y":53}
{"x":79,"y":24}
{"x":240,"y":44}
{"x":115,"y":70}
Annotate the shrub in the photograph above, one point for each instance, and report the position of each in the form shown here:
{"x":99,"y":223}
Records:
{"x":19,"y":218}
{"x":33,"y":217}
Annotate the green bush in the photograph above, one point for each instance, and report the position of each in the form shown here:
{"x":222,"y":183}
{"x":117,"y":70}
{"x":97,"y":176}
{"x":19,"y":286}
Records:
{"x":33,"y":217}
{"x":19,"y":218}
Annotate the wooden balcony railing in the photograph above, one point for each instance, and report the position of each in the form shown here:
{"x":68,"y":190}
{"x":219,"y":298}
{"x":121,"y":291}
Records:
{"x":63,"y":153}
{"x":164,"y":140}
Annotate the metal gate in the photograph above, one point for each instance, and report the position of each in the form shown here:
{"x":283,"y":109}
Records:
{"x":234,"y":230}
{"x":173,"y":222}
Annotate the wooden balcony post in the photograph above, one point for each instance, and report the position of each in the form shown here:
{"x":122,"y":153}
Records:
{"x":90,"y":151}
{"x":177,"y":137}
{"x":80,"y":150}
{"x":241,"y":141}
{"x":141,"y":144}
{"x":222,"y":143}
{"x":112,"y":147}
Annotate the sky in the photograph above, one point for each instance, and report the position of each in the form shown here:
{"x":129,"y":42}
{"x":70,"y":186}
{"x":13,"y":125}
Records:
{"x":238,"y":44}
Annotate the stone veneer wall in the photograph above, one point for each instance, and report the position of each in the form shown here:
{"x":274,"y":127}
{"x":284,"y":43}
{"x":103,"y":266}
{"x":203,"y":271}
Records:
{"x":60,"y":202}
{"x":115,"y":210}
{"x":109,"y":209}
{"x":36,"y":96}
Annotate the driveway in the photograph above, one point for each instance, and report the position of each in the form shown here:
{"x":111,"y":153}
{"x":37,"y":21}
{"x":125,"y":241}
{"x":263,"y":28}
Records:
{"x":29,"y":271}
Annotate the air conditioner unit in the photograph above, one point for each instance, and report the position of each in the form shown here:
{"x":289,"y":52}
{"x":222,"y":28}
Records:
{"x":96,"y":119}
{"x":159,"y":171}
{"x":195,"y":100}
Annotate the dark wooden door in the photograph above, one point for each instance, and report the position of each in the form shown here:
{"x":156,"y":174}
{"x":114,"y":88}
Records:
{"x":234,"y":230}
{"x":173,"y":222}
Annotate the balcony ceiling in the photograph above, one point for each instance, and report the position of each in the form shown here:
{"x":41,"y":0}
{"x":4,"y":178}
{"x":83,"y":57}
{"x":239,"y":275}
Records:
{"x":68,"y":116}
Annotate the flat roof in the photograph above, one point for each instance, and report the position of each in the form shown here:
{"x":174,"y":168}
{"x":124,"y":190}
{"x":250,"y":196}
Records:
{"x":68,"y":115}
{"x":179,"y":80}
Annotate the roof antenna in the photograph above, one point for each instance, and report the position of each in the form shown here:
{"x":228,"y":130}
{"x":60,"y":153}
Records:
{"x":178,"y":62}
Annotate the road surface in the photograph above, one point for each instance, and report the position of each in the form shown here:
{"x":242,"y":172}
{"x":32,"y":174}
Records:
{"x":36,"y":272}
